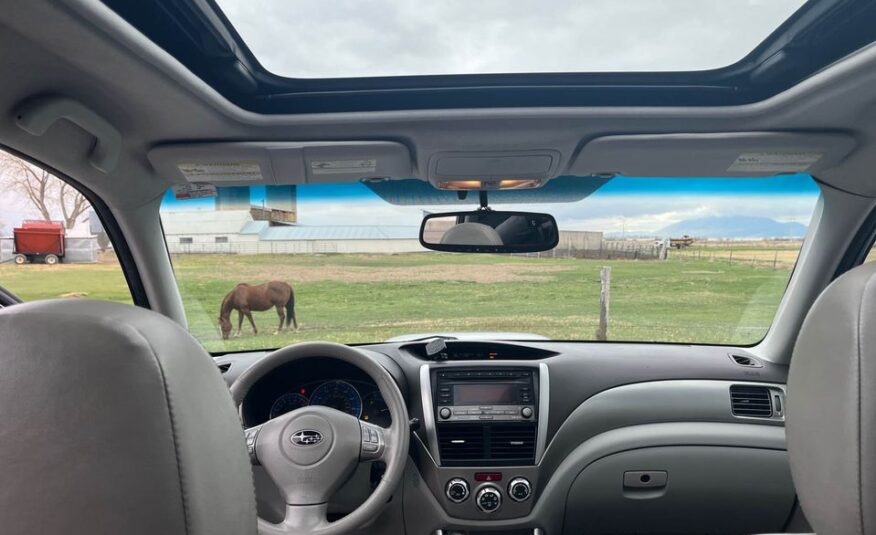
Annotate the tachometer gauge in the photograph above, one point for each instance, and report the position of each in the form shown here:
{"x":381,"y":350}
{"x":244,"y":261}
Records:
{"x":287,"y":403}
{"x":339,"y":395}
{"x":375,"y":411}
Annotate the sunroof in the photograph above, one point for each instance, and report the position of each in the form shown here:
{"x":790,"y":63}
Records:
{"x":356,"y":39}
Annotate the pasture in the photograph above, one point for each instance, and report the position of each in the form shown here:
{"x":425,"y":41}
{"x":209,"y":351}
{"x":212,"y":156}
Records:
{"x":366,"y":298}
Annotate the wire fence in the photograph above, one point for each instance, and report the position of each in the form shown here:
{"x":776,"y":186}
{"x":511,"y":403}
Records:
{"x":766,"y":258}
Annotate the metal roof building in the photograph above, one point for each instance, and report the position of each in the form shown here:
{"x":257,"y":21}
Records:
{"x":235,"y":231}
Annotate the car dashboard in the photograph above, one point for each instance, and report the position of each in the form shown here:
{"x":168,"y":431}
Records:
{"x":560,"y":437}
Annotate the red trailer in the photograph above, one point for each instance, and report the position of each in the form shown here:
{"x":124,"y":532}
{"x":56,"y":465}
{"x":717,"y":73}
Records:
{"x":39,"y":240}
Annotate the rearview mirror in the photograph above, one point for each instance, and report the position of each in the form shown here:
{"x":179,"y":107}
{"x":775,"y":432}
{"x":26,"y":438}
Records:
{"x":486,"y":231}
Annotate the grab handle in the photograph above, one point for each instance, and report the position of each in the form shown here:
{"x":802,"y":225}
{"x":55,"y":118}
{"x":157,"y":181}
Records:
{"x":35,"y":116}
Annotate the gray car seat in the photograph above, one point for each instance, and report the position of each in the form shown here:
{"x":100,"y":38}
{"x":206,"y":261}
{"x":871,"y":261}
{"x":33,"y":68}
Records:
{"x":831,"y":412}
{"x":114,"y":420}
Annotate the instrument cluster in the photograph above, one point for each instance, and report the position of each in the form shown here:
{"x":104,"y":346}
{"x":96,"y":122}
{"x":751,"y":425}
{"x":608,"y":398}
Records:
{"x":358,"y":398}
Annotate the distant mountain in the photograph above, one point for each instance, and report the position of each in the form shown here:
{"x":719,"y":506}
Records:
{"x":734,"y":227}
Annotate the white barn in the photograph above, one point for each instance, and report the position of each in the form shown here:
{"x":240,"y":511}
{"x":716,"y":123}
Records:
{"x":235,"y":231}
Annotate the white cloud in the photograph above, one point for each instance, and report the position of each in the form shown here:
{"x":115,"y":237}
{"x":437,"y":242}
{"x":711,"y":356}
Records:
{"x":611,"y":213}
{"x":349,"y":38}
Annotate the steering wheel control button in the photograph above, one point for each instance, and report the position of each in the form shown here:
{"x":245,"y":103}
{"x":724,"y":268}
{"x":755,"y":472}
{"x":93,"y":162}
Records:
{"x":526,"y":412}
{"x":372,"y":442}
{"x":519,"y":489}
{"x":251,"y":435}
{"x":489,"y":499}
{"x":457,"y":490}
{"x":444,"y":413}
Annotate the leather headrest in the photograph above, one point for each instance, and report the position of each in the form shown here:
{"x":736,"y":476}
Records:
{"x":831,"y":412}
{"x":115,"y":420}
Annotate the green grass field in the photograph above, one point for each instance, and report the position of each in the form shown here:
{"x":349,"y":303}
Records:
{"x":366,"y":298}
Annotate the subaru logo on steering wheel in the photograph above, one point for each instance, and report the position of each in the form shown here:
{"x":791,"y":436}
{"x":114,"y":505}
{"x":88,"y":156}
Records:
{"x":306,"y":437}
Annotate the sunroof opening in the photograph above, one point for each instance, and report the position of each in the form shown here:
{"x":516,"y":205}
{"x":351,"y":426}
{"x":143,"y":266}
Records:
{"x":355,"y":39}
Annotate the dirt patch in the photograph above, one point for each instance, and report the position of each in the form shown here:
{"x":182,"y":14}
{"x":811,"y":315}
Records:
{"x":487,"y":273}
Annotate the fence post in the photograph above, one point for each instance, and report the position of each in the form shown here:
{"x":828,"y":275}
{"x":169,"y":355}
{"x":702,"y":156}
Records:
{"x":775,"y":259}
{"x":604,"y":299}
{"x":731,"y":255}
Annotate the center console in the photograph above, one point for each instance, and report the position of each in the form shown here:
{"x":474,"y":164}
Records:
{"x":485,"y":425}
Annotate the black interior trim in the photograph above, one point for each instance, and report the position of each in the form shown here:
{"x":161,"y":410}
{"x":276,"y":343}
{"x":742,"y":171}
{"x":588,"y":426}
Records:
{"x":7,"y":298}
{"x":117,"y":238}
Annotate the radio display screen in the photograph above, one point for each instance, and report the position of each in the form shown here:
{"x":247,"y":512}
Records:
{"x":478,"y":394}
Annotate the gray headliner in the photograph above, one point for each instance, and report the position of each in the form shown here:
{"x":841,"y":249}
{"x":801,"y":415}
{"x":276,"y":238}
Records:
{"x":84,"y":48}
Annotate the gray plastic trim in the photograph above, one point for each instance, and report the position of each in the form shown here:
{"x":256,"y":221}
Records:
{"x":428,"y":413}
{"x":647,"y":403}
{"x":36,"y":116}
{"x":544,"y":403}
{"x":548,"y":510}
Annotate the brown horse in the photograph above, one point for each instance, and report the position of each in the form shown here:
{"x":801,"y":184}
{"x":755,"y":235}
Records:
{"x":245,"y":298}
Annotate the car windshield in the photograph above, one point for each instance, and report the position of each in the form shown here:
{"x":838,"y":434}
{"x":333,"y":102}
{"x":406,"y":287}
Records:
{"x":692,"y":260}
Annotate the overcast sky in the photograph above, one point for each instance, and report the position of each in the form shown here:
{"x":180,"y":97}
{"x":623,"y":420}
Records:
{"x":354,"y":38}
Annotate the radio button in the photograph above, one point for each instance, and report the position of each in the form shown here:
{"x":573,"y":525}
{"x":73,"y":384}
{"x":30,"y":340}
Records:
{"x":526,"y":412}
{"x":444,"y":413}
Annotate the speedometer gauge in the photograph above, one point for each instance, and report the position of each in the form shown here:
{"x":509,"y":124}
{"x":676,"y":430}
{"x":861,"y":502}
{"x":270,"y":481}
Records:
{"x":339,"y":395}
{"x":287,"y":403}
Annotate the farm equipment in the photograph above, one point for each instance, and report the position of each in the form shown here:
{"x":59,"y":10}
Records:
{"x":681,"y":243}
{"x":38,"y":240}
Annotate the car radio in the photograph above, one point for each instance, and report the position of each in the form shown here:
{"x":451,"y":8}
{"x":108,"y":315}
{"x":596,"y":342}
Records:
{"x":465,"y":395}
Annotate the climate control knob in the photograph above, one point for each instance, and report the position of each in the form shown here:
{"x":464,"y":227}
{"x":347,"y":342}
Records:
{"x":457,"y":490}
{"x":489,"y":499}
{"x":444,"y":413}
{"x":519,"y":489}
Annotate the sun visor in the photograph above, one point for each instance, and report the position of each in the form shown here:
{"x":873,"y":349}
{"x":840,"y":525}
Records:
{"x":281,"y":163}
{"x":712,"y":155}
{"x":415,"y":192}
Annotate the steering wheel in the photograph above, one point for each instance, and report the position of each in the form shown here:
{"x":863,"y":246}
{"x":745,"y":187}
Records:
{"x":310,"y":452}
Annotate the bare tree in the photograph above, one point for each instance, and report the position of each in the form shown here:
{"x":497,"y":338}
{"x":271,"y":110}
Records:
{"x":45,"y":192}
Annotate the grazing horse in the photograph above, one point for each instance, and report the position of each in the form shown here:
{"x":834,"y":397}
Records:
{"x":245,"y":298}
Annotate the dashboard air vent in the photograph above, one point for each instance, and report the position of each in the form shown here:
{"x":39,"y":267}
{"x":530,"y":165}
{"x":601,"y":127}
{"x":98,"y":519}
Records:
{"x":461,"y":442}
{"x":513,"y":443}
{"x":751,"y":401}
{"x":487,"y":444}
{"x":224,"y":367}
